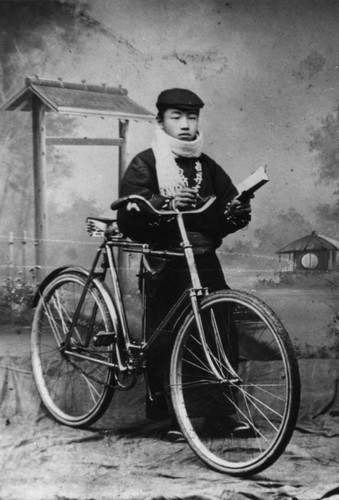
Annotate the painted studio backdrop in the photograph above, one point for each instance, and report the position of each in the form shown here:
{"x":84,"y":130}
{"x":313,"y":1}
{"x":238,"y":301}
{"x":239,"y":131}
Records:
{"x":268,"y":73}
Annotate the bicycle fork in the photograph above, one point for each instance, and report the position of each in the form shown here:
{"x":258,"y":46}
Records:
{"x":194,"y":293}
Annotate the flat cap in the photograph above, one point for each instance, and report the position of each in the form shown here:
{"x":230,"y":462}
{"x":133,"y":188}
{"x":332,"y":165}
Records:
{"x":178,"y":98}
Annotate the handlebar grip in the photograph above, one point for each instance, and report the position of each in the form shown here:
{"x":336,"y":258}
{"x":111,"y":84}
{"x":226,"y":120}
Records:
{"x":119,"y":203}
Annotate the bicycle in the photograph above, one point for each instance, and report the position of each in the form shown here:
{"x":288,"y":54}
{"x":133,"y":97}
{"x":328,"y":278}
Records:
{"x":82,"y":352}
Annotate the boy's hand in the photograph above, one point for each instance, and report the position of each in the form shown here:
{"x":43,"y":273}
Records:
{"x":185,"y":198}
{"x":239,"y":212}
{"x":240,"y":208}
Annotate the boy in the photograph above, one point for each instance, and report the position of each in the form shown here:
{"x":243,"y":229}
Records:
{"x":175,"y":173}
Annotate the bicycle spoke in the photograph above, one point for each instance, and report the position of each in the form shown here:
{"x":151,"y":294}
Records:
{"x":52,"y":322}
{"x":92,"y":388}
{"x":241,"y":421}
{"x":75,"y":391}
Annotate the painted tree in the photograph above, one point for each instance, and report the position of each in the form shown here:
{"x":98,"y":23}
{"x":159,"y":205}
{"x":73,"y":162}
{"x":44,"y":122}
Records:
{"x":325,"y":145}
{"x":32,"y":37}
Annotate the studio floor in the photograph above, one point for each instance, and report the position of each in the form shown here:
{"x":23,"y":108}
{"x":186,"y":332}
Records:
{"x":126,"y":457}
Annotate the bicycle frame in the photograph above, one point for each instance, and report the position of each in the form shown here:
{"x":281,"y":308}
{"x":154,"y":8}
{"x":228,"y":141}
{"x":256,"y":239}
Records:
{"x":82,"y":351}
{"x":106,"y":252}
{"x":191,"y":295}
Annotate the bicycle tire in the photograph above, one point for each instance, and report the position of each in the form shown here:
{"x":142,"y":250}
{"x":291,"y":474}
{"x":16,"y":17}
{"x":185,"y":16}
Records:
{"x":74,"y":391}
{"x":239,"y":427}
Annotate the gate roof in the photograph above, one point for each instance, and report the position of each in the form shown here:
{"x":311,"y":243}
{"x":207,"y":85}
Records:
{"x":73,"y":98}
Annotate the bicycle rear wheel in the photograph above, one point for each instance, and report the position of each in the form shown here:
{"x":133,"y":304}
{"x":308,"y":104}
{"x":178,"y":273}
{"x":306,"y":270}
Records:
{"x":238,"y":404}
{"x":75,"y":391}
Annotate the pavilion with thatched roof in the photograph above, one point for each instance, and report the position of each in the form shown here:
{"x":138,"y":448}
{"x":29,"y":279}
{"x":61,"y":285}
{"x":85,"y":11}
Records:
{"x":313,"y":252}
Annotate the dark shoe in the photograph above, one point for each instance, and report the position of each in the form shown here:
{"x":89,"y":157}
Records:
{"x":228,"y":427}
{"x":175,"y":436}
{"x":243,"y":430}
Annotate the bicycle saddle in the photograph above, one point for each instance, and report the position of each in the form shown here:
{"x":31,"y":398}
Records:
{"x":99,"y":226}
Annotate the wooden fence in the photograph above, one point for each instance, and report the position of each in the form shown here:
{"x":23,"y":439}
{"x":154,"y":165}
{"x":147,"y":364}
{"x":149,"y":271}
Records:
{"x":18,"y":257}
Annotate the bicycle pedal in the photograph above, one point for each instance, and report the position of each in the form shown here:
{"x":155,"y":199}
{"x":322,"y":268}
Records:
{"x":104,"y":339}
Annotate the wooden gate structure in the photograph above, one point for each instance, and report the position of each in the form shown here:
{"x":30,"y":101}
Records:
{"x":40,"y":96}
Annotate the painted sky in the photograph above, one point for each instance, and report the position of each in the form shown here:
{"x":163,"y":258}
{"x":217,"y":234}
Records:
{"x":268,"y":72}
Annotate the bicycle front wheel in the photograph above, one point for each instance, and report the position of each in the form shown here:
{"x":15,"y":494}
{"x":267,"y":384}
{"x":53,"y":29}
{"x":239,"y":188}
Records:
{"x":75,"y":391}
{"x":236,"y":391}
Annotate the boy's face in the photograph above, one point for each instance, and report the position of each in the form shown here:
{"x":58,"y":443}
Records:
{"x":180,"y":124}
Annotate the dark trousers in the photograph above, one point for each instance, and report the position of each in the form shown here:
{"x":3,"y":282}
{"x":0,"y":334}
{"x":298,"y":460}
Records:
{"x":163,"y":290}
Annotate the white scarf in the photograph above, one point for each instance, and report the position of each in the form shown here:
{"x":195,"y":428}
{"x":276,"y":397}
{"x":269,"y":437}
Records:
{"x":165,"y":148}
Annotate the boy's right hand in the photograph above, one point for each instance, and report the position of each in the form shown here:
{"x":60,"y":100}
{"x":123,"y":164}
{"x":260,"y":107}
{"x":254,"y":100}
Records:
{"x":185,"y":198}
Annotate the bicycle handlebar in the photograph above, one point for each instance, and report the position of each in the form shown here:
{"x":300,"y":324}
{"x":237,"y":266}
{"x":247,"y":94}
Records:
{"x":145,"y":204}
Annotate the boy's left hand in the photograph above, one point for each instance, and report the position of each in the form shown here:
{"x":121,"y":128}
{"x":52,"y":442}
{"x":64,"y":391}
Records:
{"x":241,"y":208}
{"x":239,"y":212}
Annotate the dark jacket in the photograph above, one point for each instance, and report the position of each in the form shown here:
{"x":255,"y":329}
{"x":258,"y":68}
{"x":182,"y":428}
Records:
{"x":141,"y":178}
